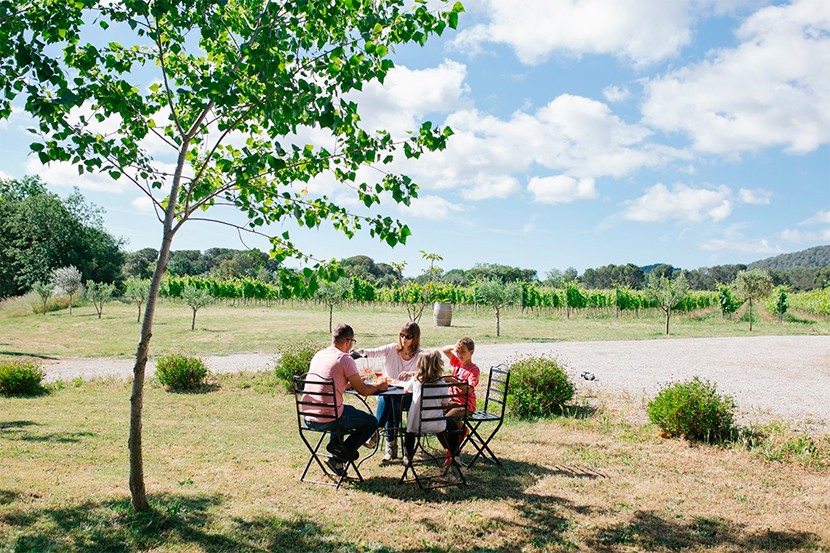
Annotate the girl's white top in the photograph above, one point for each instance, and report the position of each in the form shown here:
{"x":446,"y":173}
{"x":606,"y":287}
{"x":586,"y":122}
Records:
{"x":393,"y":364}
{"x":431,"y":408}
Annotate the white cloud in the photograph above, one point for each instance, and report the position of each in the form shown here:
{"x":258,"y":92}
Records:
{"x":571,"y":135}
{"x":770,"y":90}
{"x":497,"y":186}
{"x":65,"y":174}
{"x":820,"y":218}
{"x":755,"y":197}
{"x":561,"y":189}
{"x":615,"y":94}
{"x":432,"y":207}
{"x":801,"y":237}
{"x":680,"y":203}
{"x":408,"y":95}
{"x":761,"y":246}
{"x":639,"y":30}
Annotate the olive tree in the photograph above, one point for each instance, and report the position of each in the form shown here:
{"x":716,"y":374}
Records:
{"x":196,"y":298}
{"x":753,"y":284}
{"x":205,"y":103}
{"x":333,"y":294}
{"x":136,"y":291}
{"x":69,"y":281}
{"x":667,"y":292}
{"x":99,"y":293}
{"x":498,"y":295}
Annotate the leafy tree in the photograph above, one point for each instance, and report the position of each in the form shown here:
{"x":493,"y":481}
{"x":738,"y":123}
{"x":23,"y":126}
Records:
{"x":196,"y":298}
{"x":333,"y":294}
{"x":186,"y":263}
{"x":753,"y":284}
{"x":504,"y":273}
{"x":68,"y":280}
{"x":44,"y":291}
{"x":140,"y":264}
{"x":40,"y":232}
{"x":136,"y":290}
{"x":229,"y":89}
{"x":498,"y":295}
{"x":99,"y":293}
{"x":666,"y":292}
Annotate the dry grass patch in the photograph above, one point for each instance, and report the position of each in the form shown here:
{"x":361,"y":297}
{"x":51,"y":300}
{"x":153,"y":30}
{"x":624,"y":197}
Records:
{"x":223,"y":468}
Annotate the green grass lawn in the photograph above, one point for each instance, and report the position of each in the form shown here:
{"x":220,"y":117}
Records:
{"x":222,"y":467}
{"x":224,"y":329}
{"x":222,"y":471}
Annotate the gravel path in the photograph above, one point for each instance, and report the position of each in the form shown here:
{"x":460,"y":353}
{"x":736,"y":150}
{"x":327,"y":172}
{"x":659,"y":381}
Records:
{"x":769,"y":376}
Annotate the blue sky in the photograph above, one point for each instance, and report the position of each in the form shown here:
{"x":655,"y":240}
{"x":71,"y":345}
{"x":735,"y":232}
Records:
{"x":689,"y":132}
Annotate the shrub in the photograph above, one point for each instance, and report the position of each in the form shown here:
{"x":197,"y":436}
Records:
{"x":693,"y":410}
{"x":538,"y":388}
{"x":294,"y":360}
{"x":20,"y":378}
{"x":181,"y":373}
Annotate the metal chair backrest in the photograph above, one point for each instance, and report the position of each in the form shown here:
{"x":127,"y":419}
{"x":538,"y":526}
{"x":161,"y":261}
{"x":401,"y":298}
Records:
{"x":436,"y":394}
{"x":315,"y":397}
{"x":495,"y":401}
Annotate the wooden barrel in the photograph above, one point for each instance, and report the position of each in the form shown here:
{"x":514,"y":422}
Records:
{"x":442,"y":314}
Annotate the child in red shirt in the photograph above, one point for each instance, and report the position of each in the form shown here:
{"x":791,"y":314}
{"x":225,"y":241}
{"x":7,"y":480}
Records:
{"x":464,"y":373}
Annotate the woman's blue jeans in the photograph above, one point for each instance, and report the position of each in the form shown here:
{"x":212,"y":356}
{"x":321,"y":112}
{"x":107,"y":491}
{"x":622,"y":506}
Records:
{"x":389,"y":413}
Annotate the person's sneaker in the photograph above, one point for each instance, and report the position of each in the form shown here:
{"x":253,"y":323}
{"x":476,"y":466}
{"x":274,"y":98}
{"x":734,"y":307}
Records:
{"x":373,"y":441}
{"x":339,"y":451}
{"x":405,"y":460}
{"x":337,"y":466}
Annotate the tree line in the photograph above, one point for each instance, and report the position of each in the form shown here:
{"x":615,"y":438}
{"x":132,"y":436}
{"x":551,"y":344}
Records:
{"x":41,"y":232}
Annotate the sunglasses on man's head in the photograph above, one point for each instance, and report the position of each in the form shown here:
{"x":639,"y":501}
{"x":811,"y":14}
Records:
{"x":406,"y":336}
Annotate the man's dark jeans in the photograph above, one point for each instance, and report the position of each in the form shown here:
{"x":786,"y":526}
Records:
{"x":359,"y":425}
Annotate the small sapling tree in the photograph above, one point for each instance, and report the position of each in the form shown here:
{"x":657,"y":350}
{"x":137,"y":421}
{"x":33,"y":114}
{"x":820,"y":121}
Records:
{"x":196,"y":298}
{"x":68,"y":280}
{"x":333,"y":294}
{"x":667,"y":292}
{"x":136,"y":291}
{"x":753,"y":285}
{"x":498,"y":295}
{"x":44,"y":291}
{"x":99,"y":293}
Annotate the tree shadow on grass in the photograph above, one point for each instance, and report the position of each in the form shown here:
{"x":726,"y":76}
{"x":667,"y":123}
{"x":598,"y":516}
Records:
{"x":24,"y":354}
{"x":172,"y":521}
{"x":647,"y":531}
{"x":20,"y":430}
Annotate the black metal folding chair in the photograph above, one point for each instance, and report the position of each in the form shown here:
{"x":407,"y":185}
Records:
{"x":310,"y":394}
{"x":428,"y":465}
{"x":494,"y":404}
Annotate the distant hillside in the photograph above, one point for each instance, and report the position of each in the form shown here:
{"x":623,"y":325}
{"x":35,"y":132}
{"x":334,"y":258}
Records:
{"x":811,"y":258}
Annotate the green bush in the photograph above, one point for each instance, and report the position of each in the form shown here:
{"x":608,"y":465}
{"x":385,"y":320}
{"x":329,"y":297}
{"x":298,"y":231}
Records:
{"x":21,"y":377}
{"x":294,"y":360}
{"x":538,"y":388}
{"x":693,"y":410}
{"x":181,"y":373}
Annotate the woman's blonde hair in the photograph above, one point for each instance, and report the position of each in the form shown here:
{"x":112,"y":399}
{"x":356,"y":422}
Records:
{"x":430,"y":366}
{"x":412,"y":329}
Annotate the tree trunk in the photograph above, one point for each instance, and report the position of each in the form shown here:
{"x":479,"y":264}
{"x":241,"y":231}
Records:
{"x":138,"y":493}
{"x":138,"y":320}
{"x":668,"y":316}
{"x":331,"y":316}
{"x":750,"y":314}
{"x":498,"y":329}
{"x":193,"y":322}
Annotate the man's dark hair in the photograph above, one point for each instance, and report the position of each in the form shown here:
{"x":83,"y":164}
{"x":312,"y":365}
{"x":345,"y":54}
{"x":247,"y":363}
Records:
{"x":342,"y":332}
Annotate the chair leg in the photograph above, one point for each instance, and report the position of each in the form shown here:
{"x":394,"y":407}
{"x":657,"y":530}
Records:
{"x":481,"y":445}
